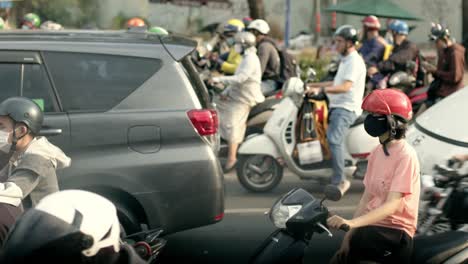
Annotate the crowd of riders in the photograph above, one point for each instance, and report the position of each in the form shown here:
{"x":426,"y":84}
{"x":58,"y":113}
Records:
{"x":252,"y":65}
{"x":32,"y":21}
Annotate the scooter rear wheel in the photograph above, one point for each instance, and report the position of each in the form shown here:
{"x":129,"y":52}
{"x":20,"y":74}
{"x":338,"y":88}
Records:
{"x":259,"y":173}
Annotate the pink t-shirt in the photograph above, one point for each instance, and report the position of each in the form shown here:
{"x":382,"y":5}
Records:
{"x":398,"y":172}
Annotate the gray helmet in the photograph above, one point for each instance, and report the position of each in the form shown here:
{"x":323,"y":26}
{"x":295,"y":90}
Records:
{"x":438,"y":31}
{"x":247,"y":39}
{"x":348,"y":33}
{"x":23,"y":110}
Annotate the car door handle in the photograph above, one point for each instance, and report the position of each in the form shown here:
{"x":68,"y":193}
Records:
{"x":50,"y":132}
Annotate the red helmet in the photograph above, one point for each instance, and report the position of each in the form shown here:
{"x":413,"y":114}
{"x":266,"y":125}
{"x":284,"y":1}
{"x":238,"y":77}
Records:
{"x":371,"y":22}
{"x":388,"y":102}
{"x":135,"y":22}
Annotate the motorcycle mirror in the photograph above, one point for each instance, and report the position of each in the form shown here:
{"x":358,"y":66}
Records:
{"x":332,"y":193}
{"x":311,"y":74}
{"x":209,"y":47}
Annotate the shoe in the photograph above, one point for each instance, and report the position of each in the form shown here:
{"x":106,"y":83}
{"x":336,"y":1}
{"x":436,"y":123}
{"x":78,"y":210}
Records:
{"x":227,"y":169}
{"x":344,"y":186}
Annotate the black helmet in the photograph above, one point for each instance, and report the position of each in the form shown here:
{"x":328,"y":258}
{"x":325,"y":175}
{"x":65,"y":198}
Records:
{"x":23,"y":110}
{"x":438,"y":31}
{"x":348,"y":33}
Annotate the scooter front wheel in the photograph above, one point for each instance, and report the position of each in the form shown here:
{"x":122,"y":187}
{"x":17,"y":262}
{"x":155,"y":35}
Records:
{"x":259,"y":173}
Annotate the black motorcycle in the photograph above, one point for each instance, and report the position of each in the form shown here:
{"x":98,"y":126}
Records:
{"x":147,"y":244}
{"x":298,"y":215}
{"x":446,"y":201}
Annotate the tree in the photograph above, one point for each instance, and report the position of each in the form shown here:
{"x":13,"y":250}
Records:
{"x":257,"y":9}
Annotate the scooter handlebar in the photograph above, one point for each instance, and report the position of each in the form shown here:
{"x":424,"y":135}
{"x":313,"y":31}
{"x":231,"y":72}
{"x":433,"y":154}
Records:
{"x":344,"y":227}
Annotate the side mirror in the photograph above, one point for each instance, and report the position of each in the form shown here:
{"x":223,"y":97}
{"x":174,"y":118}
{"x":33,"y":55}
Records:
{"x":332,"y":193}
{"x":311,"y":74}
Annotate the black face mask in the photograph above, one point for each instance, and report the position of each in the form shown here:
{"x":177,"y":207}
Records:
{"x":376,"y":125}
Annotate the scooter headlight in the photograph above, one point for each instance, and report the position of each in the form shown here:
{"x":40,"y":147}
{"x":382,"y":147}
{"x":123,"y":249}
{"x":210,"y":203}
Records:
{"x":280,"y":213}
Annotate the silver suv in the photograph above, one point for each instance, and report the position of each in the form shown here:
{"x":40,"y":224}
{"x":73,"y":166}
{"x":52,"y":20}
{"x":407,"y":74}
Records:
{"x":131,"y":111}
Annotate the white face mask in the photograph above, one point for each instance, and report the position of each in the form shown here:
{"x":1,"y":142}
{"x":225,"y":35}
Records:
{"x":238,"y":48}
{"x":5,"y":146}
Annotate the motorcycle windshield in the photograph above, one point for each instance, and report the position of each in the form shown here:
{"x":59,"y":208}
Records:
{"x":446,"y":120}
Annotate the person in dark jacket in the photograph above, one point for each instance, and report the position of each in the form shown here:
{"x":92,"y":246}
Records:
{"x":448,"y":74}
{"x":268,"y":54}
{"x":403,"y":52}
{"x":72,"y":227}
{"x":373,"y":45}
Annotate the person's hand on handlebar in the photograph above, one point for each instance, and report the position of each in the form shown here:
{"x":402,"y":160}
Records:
{"x":338,"y":222}
{"x":313,"y":90}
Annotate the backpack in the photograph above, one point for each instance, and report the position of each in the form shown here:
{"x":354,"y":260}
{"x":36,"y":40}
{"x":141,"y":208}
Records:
{"x":288,"y":63}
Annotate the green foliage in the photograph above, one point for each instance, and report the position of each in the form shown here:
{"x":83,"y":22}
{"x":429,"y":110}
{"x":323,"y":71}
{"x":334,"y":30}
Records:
{"x":308,"y":60}
{"x":69,"y":13}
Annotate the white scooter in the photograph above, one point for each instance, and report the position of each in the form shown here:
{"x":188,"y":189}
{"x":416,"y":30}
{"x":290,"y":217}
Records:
{"x":261,"y":157}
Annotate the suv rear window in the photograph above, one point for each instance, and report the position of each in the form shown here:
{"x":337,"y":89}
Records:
{"x":97,"y":82}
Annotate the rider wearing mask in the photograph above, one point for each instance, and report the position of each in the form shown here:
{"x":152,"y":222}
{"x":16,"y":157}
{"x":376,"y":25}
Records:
{"x":268,"y":55}
{"x":71,"y":226}
{"x":384,"y":223}
{"x":243,"y":92}
{"x":450,"y":65}
{"x":403,"y":51}
{"x":31,"y":21}
{"x":229,"y":61}
{"x":345,"y":95}
{"x":29,"y":170}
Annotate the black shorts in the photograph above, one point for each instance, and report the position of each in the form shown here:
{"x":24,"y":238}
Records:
{"x":381,"y":245}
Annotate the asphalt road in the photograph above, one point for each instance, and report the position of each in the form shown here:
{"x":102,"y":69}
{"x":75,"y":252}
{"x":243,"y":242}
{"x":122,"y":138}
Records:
{"x":245,"y":226}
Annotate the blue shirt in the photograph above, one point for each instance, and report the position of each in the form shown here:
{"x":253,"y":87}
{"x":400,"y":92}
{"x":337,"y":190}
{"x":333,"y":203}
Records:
{"x":372,"y":51}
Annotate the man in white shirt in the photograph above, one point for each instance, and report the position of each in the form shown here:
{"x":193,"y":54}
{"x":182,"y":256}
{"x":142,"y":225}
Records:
{"x":345,"y":94}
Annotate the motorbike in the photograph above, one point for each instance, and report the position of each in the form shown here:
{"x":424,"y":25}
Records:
{"x":147,"y":244}
{"x":298,"y":215}
{"x":444,"y":200}
{"x":407,"y":83}
{"x":261,"y":157}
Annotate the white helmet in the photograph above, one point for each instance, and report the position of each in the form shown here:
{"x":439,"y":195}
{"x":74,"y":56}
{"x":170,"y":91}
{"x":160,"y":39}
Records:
{"x":260,"y":25}
{"x":65,"y":224}
{"x":246,"y":39}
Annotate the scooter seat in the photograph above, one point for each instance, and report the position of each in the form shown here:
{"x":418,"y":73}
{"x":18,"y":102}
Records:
{"x":262,"y":107}
{"x":438,"y":247}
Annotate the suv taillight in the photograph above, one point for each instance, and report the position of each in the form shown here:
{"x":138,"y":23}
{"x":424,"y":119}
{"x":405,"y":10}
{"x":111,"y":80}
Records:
{"x":204,"y":121}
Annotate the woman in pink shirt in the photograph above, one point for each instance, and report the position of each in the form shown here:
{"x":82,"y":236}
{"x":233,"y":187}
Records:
{"x":384,"y":223}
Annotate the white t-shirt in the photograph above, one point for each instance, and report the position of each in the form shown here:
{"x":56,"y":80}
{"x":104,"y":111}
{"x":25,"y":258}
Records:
{"x":352,"y":68}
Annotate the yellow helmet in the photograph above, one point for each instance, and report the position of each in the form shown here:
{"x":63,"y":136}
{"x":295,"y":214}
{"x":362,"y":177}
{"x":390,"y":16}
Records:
{"x":233,"y":26}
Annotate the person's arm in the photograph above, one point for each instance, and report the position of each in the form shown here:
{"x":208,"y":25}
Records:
{"x":391,"y":205}
{"x":456,"y":69}
{"x":26,"y":180}
{"x":404,"y":55}
{"x":461,"y":157}
{"x":241,"y":75}
{"x":263,"y":56}
{"x":340,"y":88}
{"x":360,"y":210}
{"x":29,"y":171}
{"x":319,"y":84}
{"x":231,"y":64}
